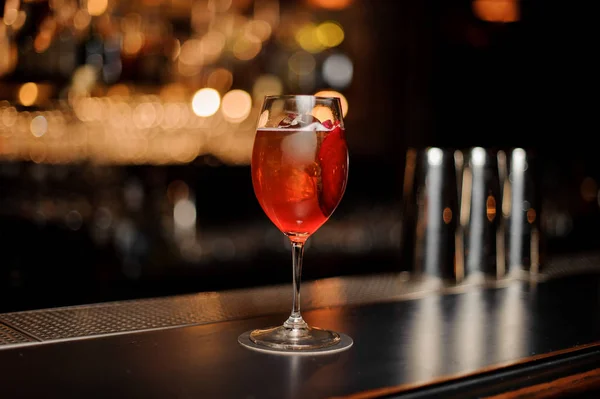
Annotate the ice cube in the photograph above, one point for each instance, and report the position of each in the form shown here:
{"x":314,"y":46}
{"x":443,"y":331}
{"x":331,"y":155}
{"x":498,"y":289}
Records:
{"x":297,"y":121}
{"x":299,"y":147}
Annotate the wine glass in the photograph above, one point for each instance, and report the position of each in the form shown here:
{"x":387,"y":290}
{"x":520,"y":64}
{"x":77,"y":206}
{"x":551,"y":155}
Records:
{"x":299,"y":174}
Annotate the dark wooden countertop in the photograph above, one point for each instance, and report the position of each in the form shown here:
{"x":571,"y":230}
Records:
{"x":399,"y":345}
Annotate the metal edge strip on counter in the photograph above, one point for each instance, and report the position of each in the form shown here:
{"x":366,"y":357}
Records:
{"x":485,"y":376}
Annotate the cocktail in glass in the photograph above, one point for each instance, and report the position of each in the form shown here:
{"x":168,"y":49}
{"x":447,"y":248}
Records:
{"x":299,"y":174}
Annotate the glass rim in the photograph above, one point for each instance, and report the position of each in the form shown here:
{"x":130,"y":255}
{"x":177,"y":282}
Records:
{"x":275,"y":96}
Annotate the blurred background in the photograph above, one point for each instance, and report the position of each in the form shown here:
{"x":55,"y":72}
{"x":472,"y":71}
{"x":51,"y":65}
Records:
{"x":126,"y":129}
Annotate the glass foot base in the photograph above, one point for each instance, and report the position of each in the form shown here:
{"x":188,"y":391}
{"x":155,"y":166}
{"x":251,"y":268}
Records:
{"x":286,"y":340}
{"x":295,"y":339}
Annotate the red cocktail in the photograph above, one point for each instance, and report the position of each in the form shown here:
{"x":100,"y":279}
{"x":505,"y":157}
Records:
{"x":299,"y":173}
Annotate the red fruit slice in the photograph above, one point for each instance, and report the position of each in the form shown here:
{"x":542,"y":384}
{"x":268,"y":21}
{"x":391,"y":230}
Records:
{"x":333,"y":157}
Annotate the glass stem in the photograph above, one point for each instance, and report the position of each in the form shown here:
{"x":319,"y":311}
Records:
{"x":295,"y":321}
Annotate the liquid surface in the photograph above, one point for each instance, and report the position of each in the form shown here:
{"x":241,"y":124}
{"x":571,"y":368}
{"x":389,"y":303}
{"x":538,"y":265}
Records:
{"x":299,"y":176}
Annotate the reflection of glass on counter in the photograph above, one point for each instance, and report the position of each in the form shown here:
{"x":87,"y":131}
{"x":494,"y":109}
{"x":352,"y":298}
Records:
{"x":428,"y":337}
{"x":471,"y":337}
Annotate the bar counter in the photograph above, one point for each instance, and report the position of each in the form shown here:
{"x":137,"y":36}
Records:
{"x":511,"y":338}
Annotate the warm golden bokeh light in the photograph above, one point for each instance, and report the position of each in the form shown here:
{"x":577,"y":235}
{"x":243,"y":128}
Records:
{"x":308,"y":38}
{"x":46,"y":33}
{"x":28,"y":94}
{"x":333,"y":93}
{"x":236,"y":105}
{"x":10,"y":55}
{"x":191,"y":52}
{"x":212,"y":45}
{"x":9,"y":116}
{"x":258,"y":28}
{"x":496,"y":10}
{"x":330,"y":4}
{"x":220,"y":79}
{"x":206,"y":102}
{"x":81,"y":20}
{"x":330,"y":34}
{"x":145,"y":89}
{"x":144,"y":116}
{"x":11,"y":13}
{"x":247,"y":47}
{"x":97,"y":7}
{"x":132,"y":43}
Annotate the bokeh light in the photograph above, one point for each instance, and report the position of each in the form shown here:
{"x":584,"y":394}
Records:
{"x":82,"y":19}
{"x":330,"y":34}
{"x":236,"y":105}
{"x":38,"y":126}
{"x":338,"y":71}
{"x":247,"y":47}
{"x":184,"y":213}
{"x":220,"y":79}
{"x":132,"y":43}
{"x":333,"y":93}
{"x":144,"y":91}
{"x":330,"y":4}
{"x":28,"y":94}
{"x":308,"y":39}
{"x":496,"y":10}
{"x":259,"y":29}
{"x":97,"y":7}
{"x":212,"y":45}
{"x":191,"y":52}
{"x":206,"y":102}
